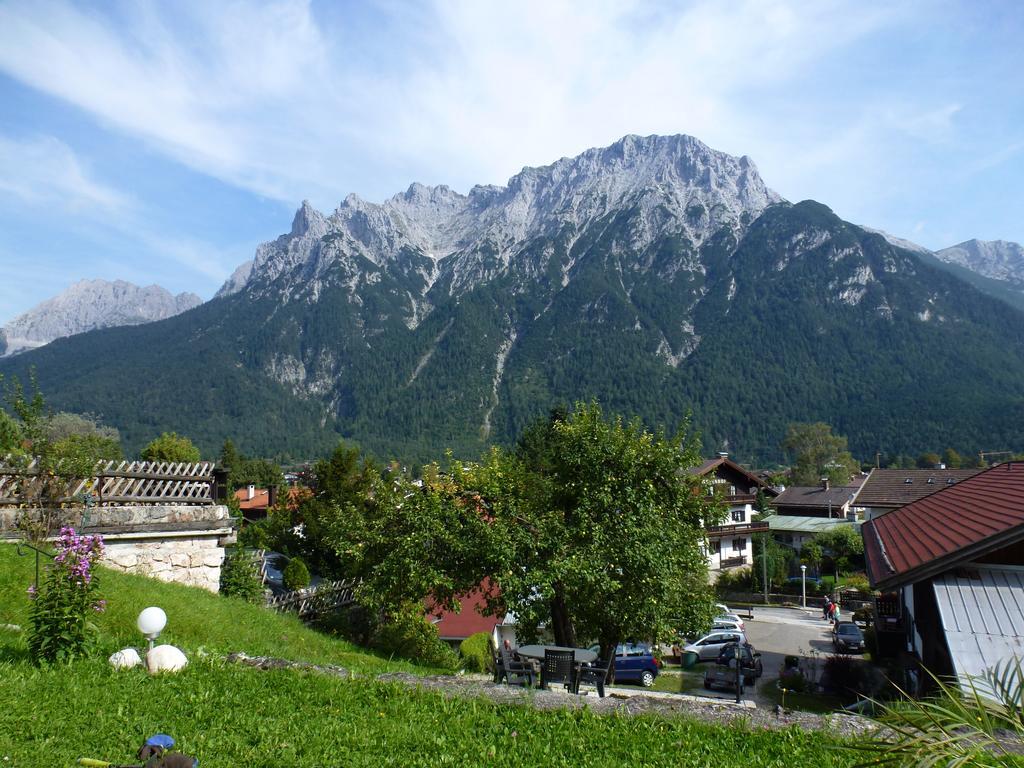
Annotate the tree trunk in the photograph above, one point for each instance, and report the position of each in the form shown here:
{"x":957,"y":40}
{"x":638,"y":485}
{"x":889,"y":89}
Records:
{"x":609,"y":641}
{"x":561,"y":623}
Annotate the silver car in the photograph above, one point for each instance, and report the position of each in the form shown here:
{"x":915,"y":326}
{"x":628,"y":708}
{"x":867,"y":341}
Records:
{"x":709,"y":646}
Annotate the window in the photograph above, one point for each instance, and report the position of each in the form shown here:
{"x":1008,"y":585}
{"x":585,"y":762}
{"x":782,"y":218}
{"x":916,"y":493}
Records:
{"x":739,"y":545}
{"x":716,"y":546}
{"x":739,"y":515}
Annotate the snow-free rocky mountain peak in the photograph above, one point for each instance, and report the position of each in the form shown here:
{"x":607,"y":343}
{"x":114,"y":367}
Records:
{"x":997,"y":259}
{"x":91,"y":304}
{"x":676,"y":183}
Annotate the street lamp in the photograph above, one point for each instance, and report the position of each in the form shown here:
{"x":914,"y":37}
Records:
{"x":151,"y":622}
{"x":803,"y":583}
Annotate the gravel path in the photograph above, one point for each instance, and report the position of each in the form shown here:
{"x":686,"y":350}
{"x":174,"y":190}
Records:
{"x":667,"y":704}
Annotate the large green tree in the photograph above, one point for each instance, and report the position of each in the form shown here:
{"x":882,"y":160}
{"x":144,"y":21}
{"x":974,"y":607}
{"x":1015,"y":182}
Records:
{"x":816,"y":453}
{"x":171,"y":446}
{"x":600,"y":530}
{"x":841,"y":549}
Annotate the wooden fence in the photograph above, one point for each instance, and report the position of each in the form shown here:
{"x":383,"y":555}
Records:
{"x":112,"y":482}
{"x":309,"y":603}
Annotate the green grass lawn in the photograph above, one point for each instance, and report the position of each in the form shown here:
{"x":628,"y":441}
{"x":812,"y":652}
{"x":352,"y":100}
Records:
{"x":822,"y":703}
{"x":676,"y":680}
{"x":232,"y":715}
{"x":196,"y":619}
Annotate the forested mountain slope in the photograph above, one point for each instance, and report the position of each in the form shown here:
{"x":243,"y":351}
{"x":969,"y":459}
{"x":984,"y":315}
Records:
{"x":656,"y":275}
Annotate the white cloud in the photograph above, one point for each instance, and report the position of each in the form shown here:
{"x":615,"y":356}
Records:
{"x":284,"y":101}
{"x":45,"y":170}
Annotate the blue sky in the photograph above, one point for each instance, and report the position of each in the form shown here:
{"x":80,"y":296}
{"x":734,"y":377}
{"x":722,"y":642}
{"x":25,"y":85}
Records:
{"x":161,"y":142}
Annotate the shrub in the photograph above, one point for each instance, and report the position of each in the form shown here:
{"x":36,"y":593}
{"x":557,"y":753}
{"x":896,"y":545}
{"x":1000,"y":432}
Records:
{"x":843,"y":674}
{"x":240,"y":575}
{"x":737,"y":580}
{"x":793,"y":680}
{"x":295,"y":574}
{"x":354,"y":623}
{"x":791,"y":662}
{"x":59,"y":628}
{"x":859,"y":582}
{"x":476,"y":653}
{"x":409,"y":635}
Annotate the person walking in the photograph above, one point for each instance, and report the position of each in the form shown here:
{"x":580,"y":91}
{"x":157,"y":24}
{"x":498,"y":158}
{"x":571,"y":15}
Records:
{"x":826,"y":608}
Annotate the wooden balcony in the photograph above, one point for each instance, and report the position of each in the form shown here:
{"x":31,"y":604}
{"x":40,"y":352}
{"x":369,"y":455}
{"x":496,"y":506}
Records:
{"x":735,"y":529}
{"x":732,"y":562}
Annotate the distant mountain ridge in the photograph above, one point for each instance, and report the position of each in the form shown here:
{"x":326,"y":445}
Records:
{"x":91,"y":304}
{"x":656,"y":275}
{"x":996,"y":259}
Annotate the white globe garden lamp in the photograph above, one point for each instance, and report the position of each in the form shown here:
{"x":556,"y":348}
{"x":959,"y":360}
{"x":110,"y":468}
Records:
{"x":151,"y":623}
{"x":803,"y":584}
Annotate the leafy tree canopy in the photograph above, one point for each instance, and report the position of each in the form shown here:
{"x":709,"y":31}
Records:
{"x":817,"y":453}
{"x":599,"y":530}
{"x":171,"y":447}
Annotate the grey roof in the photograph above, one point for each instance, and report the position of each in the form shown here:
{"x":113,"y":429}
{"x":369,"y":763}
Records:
{"x":982,"y":613}
{"x":804,"y":524}
{"x":815,"y":496}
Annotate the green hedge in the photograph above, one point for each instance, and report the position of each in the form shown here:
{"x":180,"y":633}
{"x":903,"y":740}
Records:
{"x":476,"y":653}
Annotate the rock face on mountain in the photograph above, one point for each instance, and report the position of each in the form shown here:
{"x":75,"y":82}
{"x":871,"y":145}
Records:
{"x":656,"y":275}
{"x":91,"y":304}
{"x":997,"y":259}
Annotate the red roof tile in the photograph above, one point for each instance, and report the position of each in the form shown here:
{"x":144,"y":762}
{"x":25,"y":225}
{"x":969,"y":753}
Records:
{"x":961,"y":522}
{"x":260,"y":499}
{"x":468,"y":621}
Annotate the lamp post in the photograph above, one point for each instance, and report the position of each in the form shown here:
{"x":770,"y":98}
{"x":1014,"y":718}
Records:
{"x":151,"y":622}
{"x":803,"y":584}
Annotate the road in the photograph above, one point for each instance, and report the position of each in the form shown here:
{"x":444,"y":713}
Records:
{"x":780,"y":632}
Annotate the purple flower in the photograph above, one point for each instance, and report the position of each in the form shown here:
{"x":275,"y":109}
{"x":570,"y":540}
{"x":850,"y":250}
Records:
{"x":100,"y":606}
{"x":31,"y":591}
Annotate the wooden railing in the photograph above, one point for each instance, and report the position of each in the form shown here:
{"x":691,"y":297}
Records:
{"x":111,"y":482}
{"x":311,"y":602}
{"x":736,"y":528}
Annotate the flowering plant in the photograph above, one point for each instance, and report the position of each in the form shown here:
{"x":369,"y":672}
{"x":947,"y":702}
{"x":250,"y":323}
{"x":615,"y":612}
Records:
{"x":60,"y":627}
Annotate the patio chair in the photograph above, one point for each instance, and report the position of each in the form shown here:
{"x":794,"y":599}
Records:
{"x":514,"y":672}
{"x":557,"y":668}
{"x":594,"y":673}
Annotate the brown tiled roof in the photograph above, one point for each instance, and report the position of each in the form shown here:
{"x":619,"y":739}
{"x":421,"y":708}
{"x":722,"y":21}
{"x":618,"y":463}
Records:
{"x":897,"y":487}
{"x":719,"y":461}
{"x":959,"y":523}
{"x":814,"y":496}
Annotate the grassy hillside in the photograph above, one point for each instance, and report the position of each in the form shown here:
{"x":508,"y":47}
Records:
{"x":237,"y":716}
{"x":196,"y":620}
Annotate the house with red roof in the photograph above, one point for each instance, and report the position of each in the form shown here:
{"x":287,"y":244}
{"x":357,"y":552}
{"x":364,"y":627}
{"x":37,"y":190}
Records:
{"x":454,"y":627}
{"x":950,"y":567}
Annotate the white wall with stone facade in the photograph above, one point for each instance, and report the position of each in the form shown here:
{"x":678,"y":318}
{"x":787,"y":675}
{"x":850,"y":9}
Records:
{"x":188,"y":559}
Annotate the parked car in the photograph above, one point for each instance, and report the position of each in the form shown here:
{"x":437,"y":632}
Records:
{"x":734,"y":618}
{"x":723,"y":674}
{"x":634,"y":663}
{"x":708,"y":647}
{"x":723,"y":609}
{"x":722,"y":623}
{"x":847,"y":637}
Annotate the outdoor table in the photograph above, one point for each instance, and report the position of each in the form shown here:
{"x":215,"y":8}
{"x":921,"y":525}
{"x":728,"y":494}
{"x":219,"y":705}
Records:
{"x":581,"y":655}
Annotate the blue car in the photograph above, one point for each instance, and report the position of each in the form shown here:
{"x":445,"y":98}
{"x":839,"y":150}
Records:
{"x":634,"y":663}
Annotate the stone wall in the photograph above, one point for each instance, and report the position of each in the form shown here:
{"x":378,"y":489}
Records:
{"x":192,"y":560}
{"x":182,"y":543}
